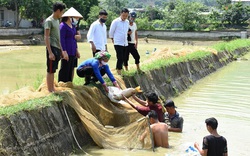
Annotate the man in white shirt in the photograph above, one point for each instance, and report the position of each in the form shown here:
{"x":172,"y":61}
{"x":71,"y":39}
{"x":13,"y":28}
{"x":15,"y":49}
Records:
{"x":97,"y":34}
{"x":118,"y":34}
{"x":132,"y":43}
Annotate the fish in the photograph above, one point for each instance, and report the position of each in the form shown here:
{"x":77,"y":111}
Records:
{"x":115,"y":94}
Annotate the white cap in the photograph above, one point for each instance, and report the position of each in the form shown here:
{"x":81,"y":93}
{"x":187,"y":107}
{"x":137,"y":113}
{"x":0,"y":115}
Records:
{"x":72,"y":13}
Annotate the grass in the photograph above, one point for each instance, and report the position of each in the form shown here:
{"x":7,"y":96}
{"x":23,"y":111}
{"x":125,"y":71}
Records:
{"x":47,"y":101}
{"x":30,"y":104}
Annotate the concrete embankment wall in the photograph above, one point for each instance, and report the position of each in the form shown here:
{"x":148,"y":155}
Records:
{"x":42,"y":132}
{"x":174,"y":79}
{"x":46,"y":131}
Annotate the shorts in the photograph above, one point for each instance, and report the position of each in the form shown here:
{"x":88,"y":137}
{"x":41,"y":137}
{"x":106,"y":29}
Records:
{"x":52,"y":65}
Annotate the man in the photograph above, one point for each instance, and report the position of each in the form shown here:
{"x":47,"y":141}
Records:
{"x":52,"y":41}
{"x":97,"y":34}
{"x":173,"y":117}
{"x":150,"y":104}
{"x":118,"y":34}
{"x":159,"y":131}
{"x":213,"y":144}
{"x":132,"y":43}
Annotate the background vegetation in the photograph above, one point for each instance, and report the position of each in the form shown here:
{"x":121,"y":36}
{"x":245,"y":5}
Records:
{"x":188,"y":15}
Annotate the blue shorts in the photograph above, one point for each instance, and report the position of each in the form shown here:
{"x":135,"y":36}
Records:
{"x":52,"y":65}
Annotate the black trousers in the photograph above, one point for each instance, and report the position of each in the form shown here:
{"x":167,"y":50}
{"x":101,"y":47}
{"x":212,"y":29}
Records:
{"x":95,"y":52}
{"x":133,"y":51}
{"x":88,"y":72}
{"x":67,"y":68}
{"x":120,"y":54}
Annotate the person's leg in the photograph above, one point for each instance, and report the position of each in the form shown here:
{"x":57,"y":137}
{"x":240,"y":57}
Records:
{"x":126,"y":57}
{"x":50,"y":82}
{"x":63,"y":72}
{"x":136,"y":56}
{"x":119,"y":55}
{"x":97,"y":50}
{"x":87,"y":73}
{"x":71,"y":64}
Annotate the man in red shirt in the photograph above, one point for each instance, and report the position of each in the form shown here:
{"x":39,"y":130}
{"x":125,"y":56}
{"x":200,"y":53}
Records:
{"x":150,"y":104}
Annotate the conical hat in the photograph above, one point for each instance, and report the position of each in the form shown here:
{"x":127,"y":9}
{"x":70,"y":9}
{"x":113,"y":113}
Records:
{"x":72,"y":13}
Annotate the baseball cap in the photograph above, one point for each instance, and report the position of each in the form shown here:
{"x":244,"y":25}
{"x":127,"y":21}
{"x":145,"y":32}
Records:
{"x":169,"y":103}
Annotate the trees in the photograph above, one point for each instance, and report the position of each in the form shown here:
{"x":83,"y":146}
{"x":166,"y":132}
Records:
{"x":15,"y":5}
{"x":187,"y":15}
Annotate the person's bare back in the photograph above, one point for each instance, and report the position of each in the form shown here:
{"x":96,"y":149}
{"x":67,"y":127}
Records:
{"x":160,"y":133}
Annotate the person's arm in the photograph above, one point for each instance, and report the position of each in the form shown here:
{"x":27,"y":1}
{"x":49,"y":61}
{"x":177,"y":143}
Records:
{"x":63,"y":42}
{"x":136,"y":39}
{"x":129,"y":102}
{"x":110,"y":75}
{"x":47,"y":43}
{"x":90,"y":37}
{"x":144,"y":134}
{"x":78,"y":35}
{"x":112,"y":30}
{"x":204,"y":149}
{"x":142,"y":102}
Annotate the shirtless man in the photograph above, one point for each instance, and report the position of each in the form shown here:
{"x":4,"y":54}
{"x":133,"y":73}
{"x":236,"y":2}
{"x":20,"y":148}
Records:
{"x":158,"y":129}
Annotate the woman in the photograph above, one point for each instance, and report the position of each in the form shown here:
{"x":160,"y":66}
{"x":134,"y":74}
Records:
{"x":96,"y":67}
{"x":68,"y":43}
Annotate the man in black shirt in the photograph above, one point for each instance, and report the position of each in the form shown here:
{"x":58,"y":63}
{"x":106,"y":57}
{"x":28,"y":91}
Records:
{"x":213,"y":144}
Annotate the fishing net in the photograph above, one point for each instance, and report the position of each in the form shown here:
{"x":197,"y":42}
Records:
{"x":111,"y":125}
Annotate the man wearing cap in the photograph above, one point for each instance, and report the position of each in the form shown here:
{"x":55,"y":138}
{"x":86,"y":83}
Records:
{"x":52,"y":41}
{"x":96,"y":67}
{"x":132,"y":43}
{"x":172,"y":117}
{"x":97,"y":34}
{"x":69,"y":44}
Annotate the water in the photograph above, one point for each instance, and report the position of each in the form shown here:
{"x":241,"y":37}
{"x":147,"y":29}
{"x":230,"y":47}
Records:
{"x":224,"y":95}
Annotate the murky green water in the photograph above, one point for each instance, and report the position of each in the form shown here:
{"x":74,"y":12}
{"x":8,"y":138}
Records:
{"x":224,"y":95}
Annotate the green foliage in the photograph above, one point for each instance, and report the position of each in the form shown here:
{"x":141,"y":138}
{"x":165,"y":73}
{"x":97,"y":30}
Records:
{"x":144,"y":24}
{"x":30,"y":104}
{"x":93,"y":14}
{"x":236,"y":13}
{"x":114,"y":5}
{"x":162,"y":62}
{"x":232,"y":45}
{"x":187,"y":15}
{"x":159,"y":25}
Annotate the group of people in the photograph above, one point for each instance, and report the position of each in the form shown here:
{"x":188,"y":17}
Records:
{"x":171,"y":121}
{"x":61,"y":44}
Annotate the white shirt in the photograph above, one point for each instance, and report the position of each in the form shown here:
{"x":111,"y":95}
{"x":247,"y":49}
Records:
{"x":98,"y":35}
{"x":119,"y":31}
{"x":132,"y":35}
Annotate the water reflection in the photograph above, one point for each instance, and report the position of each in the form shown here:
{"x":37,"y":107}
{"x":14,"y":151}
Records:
{"x":224,"y":95}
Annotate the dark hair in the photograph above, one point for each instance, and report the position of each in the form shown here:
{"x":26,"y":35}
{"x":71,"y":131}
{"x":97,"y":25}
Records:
{"x":124,"y":10}
{"x":153,"y":114}
{"x":64,"y":19}
{"x":152,"y":97}
{"x":103,"y":12}
{"x":212,"y":122}
{"x":58,"y":5}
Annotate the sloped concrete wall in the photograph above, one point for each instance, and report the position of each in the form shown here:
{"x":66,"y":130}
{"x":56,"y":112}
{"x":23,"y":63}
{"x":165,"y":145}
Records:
{"x":174,"y":79}
{"x":42,"y":132}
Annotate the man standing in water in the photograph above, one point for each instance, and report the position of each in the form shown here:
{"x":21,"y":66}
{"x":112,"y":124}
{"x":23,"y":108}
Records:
{"x":172,"y":117}
{"x":213,"y":144}
{"x":52,"y":41}
{"x":159,"y":131}
{"x":118,"y":34}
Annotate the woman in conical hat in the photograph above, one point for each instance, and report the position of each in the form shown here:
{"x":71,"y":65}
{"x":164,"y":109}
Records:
{"x":96,"y":67}
{"x":69,"y":45}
